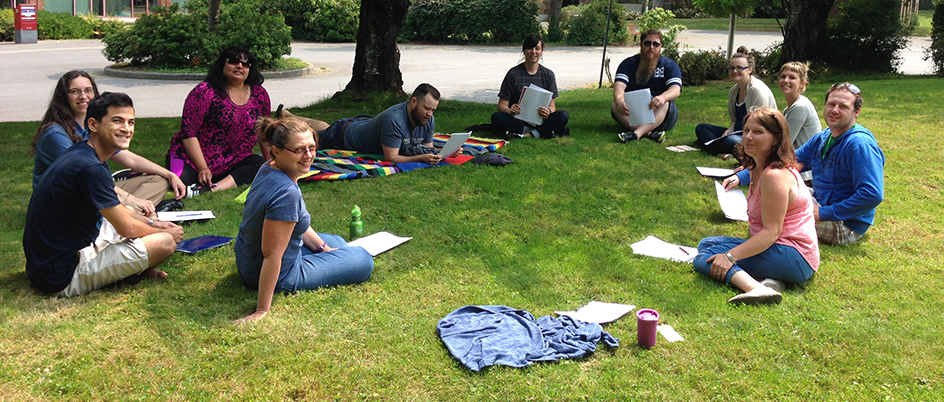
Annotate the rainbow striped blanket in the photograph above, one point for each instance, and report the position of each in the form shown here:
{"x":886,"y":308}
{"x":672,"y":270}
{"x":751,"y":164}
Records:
{"x":335,"y":164}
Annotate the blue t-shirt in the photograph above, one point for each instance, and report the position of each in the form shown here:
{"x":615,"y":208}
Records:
{"x":666,"y":74}
{"x":63,"y":215}
{"x":52,"y":143}
{"x":392,"y":128}
{"x":276,"y":197}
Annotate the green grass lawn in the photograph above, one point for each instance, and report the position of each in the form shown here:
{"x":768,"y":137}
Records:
{"x":721,"y":24}
{"x":551,"y":231}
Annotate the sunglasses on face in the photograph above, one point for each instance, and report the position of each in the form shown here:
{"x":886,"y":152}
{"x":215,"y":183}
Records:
{"x":738,"y":68}
{"x":235,"y":60}
{"x":653,"y":43}
{"x":299,"y":152}
{"x":851,"y":87}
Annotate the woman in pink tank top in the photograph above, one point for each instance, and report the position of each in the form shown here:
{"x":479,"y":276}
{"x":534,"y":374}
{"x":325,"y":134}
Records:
{"x":783,"y":245}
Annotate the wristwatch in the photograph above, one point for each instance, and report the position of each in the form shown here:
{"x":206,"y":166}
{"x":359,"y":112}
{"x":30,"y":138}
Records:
{"x":150,"y":222}
{"x":730,"y":257}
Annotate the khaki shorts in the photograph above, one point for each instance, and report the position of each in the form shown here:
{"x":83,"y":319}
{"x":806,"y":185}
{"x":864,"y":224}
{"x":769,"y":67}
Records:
{"x":109,"y":259}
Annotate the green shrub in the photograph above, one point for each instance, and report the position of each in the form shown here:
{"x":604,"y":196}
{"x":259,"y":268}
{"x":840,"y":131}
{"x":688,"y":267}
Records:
{"x":658,"y":18}
{"x":102,"y":27}
{"x":767,"y":61}
{"x":554,"y":34}
{"x":61,"y":26}
{"x":936,"y":51}
{"x":319,"y":20}
{"x":472,"y":21}
{"x":588,"y":25}
{"x":690,"y":12}
{"x":701,"y":66}
{"x":866,"y":36}
{"x":6,"y":25}
{"x":168,"y":39}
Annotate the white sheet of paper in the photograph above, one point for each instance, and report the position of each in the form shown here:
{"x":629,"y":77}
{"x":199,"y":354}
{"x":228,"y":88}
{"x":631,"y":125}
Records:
{"x":379,"y":242}
{"x":681,"y":148}
{"x":714,"y":172}
{"x":733,"y":203}
{"x":455,"y":142}
{"x":178,"y":216}
{"x":599,"y":312}
{"x":655,"y":247}
{"x":739,"y":132}
{"x":669,"y":333}
{"x":533,"y":97}
{"x":638,"y":103}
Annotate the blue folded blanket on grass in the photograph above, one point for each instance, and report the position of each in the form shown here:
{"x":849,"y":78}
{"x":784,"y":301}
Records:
{"x":480,"y":336}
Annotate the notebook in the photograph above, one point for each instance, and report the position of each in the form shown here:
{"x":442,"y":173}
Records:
{"x":201,"y":243}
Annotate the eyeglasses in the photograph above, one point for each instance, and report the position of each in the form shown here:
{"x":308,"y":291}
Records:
{"x":234,"y":61}
{"x":653,"y":43}
{"x":851,"y":87}
{"x":301,"y":151}
{"x":738,"y":68}
{"x":87,"y":91}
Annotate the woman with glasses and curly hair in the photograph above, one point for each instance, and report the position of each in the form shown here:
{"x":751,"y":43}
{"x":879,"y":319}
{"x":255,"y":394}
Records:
{"x":213,"y":149}
{"x":783,"y":245}
{"x":63,"y":125}
{"x":276,"y":248}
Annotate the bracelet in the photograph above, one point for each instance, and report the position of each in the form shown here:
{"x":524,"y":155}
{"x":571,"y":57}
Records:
{"x":730,"y":258}
{"x":150,"y":222}
{"x":322,"y":247}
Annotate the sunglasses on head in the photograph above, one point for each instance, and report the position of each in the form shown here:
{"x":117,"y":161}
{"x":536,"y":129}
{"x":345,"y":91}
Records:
{"x":236,"y":60}
{"x":851,"y":87}
{"x":653,"y":43}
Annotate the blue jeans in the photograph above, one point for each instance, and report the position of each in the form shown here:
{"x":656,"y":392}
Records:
{"x":707,"y":132}
{"x":555,"y":122}
{"x":344,"y":266}
{"x":780,"y":262}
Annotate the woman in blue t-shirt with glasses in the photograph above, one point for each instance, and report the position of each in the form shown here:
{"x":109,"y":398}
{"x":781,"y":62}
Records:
{"x":276,"y":248}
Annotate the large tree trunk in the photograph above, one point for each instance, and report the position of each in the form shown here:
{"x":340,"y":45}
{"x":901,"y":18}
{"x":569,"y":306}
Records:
{"x":555,"y":10}
{"x":804,"y":33}
{"x":377,"y":58}
{"x":213,"y":8}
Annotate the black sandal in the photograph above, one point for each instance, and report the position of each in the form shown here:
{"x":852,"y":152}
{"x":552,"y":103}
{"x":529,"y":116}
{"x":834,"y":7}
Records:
{"x":278,"y":111}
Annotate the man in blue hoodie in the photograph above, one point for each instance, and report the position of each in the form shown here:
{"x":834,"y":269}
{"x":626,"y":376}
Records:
{"x":848,"y":169}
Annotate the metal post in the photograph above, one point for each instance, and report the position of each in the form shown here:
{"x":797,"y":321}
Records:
{"x":606,"y":39}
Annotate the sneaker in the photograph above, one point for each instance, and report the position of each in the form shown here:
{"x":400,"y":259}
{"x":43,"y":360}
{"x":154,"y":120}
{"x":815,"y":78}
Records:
{"x":657,"y":136}
{"x":196,"y":189}
{"x":774,"y":284}
{"x":169,"y":205}
{"x":123,"y":174}
{"x":627,"y":136}
{"x":565,"y":132}
{"x":760,"y":295}
{"x":512,"y":136}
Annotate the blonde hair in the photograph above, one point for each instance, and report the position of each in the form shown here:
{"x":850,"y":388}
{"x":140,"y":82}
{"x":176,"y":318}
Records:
{"x":801,"y":68}
{"x":276,"y":131}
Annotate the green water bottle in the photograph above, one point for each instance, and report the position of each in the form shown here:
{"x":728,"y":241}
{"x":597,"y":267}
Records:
{"x":357,"y":225}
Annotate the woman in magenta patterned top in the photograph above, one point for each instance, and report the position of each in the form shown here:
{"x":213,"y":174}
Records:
{"x":213,"y":149}
{"x":783,"y":245}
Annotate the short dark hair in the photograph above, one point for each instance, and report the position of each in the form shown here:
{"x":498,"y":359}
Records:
{"x":215,"y":76}
{"x":423,"y":89}
{"x":98,"y":107}
{"x":848,"y":87}
{"x":656,"y":32}
{"x":531,"y":41}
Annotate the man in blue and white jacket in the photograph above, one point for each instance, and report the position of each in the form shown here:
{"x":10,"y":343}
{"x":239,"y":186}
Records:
{"x":848,"y":169}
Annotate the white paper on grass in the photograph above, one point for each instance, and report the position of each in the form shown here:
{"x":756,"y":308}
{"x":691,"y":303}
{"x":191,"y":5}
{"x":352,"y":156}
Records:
{"x":714,"y":172}
{"x":378,"y":242}
{"x":733,"y":203}
{"x":533,"y":97}
{"x":178,"y":216}
{"x":638,"y":103}
{"x":599,"y":312}
{"x":655,"y":247}
{"x":455,"y":142}
{"x":681,"y":148}
{"x":669,"y":333}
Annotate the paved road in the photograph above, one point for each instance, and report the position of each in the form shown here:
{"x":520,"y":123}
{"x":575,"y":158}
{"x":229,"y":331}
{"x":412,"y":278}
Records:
{"x":471,"y":73}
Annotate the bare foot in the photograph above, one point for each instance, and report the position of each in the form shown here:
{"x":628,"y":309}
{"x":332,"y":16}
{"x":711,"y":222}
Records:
{"x":154,"y":274}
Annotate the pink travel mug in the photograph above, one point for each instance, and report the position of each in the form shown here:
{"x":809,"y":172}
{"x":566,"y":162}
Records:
{"x":646,"y":322}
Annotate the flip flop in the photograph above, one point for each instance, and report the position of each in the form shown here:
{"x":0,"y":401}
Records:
{"x":278,"y":111}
